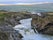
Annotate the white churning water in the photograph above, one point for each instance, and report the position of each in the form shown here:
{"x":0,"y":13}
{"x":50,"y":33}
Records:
{"x":28,"y":34}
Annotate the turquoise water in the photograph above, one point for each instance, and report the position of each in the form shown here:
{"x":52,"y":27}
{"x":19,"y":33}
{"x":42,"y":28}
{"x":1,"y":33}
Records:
{"x":36,"y":8}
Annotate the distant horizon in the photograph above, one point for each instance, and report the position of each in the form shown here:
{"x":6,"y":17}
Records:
{"x":28,"y":3}
{"x":23,"y":1}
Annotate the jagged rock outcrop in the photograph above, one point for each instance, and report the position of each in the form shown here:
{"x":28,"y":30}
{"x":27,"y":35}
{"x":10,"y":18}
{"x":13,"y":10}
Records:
{"x":42,"y":24}
{"x":7,"y":21}
{"x":12,"y":18}
{"x":8,"y":33}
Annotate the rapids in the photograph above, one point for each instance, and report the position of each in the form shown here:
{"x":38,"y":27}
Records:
{"x":28,"y":34}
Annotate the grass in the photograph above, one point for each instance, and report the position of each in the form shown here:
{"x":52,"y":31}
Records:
{"x":13,"y":15}
{"x":2,"y":16}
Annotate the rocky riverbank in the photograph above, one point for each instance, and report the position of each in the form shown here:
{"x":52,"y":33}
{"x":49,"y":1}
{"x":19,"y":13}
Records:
{"x":8,"y":20}
{"x":43,"y":24}
{"x":12,"y":18}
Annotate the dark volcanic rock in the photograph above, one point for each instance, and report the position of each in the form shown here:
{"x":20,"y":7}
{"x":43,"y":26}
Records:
{"x":43,"y":25}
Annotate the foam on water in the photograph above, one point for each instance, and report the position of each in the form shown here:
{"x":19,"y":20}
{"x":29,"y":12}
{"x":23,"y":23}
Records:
{"x":28,"y":34}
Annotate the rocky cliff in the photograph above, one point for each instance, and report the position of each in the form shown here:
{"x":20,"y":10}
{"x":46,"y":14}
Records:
{"x":43,"y":24}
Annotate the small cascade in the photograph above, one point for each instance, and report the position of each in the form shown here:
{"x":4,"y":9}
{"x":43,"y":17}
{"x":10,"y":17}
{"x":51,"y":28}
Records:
{"x":35,"y":30}
{"x":28,"y":33}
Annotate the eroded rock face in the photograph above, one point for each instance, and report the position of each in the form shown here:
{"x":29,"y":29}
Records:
{"x":8,"y":33}
{"x":3,"y":36}
{"x":10,"y":36}
{"x":7,"y":21}
{"x":43,"y":24}
{"x":12,"y":18}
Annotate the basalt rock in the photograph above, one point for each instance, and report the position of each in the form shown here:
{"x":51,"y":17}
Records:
{"x":42,"y":24}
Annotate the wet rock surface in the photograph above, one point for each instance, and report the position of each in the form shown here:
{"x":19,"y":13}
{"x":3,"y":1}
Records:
{"x":42,"y":24}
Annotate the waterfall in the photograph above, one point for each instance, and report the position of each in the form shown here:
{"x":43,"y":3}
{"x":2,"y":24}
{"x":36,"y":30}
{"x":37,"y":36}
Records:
{"x":25,"y":28}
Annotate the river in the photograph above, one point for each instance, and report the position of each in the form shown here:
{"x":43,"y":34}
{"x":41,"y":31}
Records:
{"x":28,"y":34}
